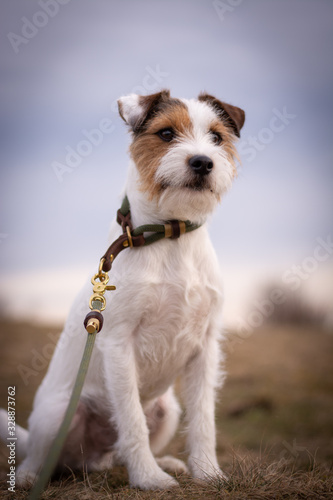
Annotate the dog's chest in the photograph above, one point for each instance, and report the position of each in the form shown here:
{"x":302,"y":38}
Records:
{"x":171,"y":330}
{"x":173,"y":316}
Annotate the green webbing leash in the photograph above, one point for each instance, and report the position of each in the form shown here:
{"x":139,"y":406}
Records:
{"x":56,"y":447}
{"x":55,"y":450}
{"x":93,"y":324}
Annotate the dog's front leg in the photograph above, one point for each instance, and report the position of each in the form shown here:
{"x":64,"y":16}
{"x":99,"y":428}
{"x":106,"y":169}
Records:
{"x":132,"y":447}
{"x":199,"y":385}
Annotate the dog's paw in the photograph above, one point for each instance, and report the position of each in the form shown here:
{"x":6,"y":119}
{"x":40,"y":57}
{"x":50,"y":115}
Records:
{"x":204,"y":470}
{"x":159,"y":480}
{"x":25,"y":478}
{"x":172,"y":464}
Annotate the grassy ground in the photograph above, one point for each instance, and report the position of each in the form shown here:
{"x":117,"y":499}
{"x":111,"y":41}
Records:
{"x":274,"y":418}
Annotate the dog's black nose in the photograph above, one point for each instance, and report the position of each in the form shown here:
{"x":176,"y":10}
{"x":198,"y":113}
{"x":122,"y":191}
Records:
{"x":200,"y":164}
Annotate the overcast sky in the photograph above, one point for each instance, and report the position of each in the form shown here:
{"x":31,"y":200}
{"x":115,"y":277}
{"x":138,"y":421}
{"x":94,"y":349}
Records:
{"x":65,"y":62}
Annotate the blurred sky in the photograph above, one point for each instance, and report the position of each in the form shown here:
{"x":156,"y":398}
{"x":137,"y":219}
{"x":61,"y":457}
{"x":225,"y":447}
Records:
{"x":63,"y":65}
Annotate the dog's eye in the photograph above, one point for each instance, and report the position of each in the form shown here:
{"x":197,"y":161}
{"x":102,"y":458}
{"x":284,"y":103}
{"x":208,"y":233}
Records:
{"x":216,"y":138}
{"x":166,"y":134}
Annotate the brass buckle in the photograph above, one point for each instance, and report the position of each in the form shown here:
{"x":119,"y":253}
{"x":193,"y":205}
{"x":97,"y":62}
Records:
{"x":182,"y":227}
{"x":168,"y":230}
{"x":129,"y":236}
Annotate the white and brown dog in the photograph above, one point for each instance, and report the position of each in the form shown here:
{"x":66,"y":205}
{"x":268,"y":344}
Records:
{"x":164,"y":319}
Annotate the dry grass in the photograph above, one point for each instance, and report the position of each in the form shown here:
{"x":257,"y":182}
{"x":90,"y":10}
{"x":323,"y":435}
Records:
{"x":248,"y":479}
{"x":275,"y":410}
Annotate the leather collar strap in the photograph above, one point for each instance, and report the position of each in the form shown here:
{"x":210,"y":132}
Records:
{"x":134,"y":238}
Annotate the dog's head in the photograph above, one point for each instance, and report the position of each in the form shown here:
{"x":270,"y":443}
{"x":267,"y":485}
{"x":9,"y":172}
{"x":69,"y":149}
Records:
{"x":183,"y":150}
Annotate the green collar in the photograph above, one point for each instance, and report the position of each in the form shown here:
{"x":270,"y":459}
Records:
{"x":134,"y":237}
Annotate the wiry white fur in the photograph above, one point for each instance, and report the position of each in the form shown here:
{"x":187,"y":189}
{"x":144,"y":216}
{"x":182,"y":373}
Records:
{"x":131,"y":109}
{"x":163,"y":321}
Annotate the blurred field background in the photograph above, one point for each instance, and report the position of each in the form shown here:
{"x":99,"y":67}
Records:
{"x":63,"y":68}
{"x":274,"y":415}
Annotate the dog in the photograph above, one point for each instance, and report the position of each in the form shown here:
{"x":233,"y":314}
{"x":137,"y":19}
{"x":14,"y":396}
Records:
{"x":162,"y":323}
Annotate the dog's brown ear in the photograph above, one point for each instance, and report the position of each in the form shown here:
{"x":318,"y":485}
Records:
{"x":234,"y":117}
{"x":136,"y":109}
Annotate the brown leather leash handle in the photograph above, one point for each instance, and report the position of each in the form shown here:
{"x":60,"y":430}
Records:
{"x":117,"y":246}
{"x":124,"y":241}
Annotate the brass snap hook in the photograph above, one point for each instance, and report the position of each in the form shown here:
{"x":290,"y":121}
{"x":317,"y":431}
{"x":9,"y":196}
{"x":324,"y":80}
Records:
{"x":101,"y":274}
